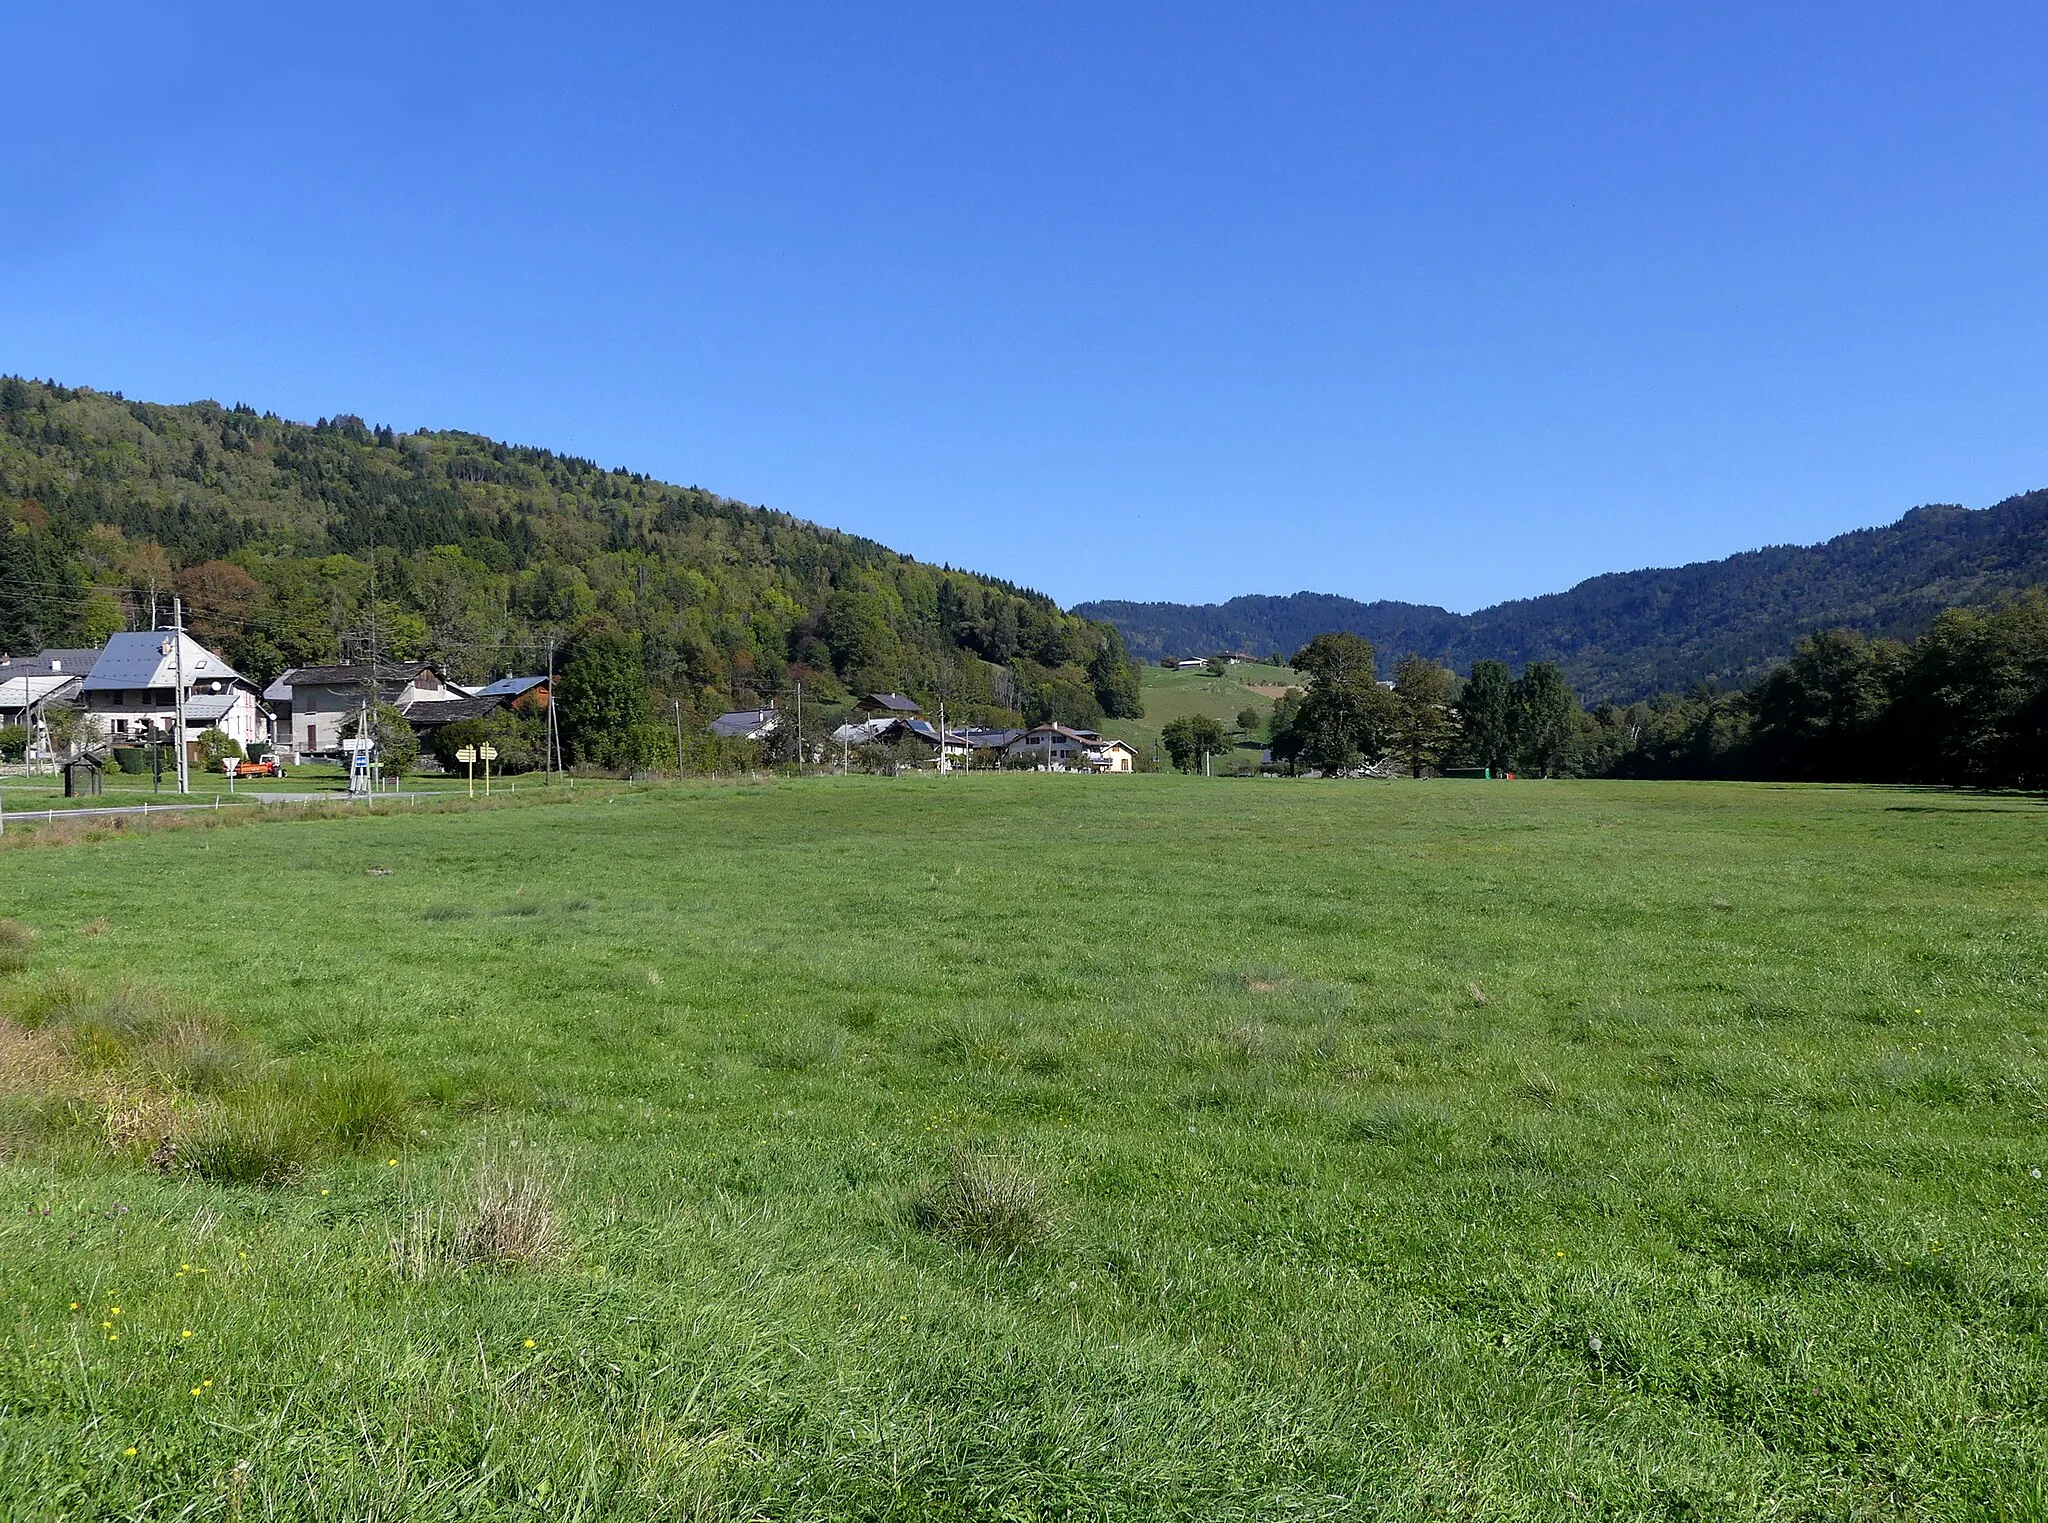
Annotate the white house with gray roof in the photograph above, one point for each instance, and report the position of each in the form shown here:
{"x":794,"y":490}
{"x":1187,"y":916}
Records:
{"x":132,"y":690}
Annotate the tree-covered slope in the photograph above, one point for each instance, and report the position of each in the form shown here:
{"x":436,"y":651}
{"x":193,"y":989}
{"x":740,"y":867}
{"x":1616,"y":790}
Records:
{"x":291,"y":543}
{"x":1629,"y":634}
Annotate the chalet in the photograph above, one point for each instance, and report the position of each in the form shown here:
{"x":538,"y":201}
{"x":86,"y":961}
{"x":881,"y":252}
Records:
{"x":986,"y":746}
{"x":429,"y":715}
{"x":890,"y":704}
{"x":918,"y":735}
{"x":325,"y":699}
{"x":1056,"y":748}
{"x":28,"y":684}
{"x":132,"y":689}
{"x":516,"y":690}
{"x":746,"y":724}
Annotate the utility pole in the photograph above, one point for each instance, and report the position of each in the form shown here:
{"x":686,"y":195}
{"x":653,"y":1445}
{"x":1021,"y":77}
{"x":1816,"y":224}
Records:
{"x":942,"y":735}
{"x":679,"y":737}
{"x":178,"y":694}
{"x":799,"y":727}
{"x":370,"y":706}
{"x":554,"y":754}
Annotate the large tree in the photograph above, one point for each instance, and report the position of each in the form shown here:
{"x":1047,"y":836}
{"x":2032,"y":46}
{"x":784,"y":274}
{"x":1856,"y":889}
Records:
{"x":1345,"y":718}
{"x":1822,"y":714}
{"x":1547,"y":719}
{"x":1191,"y":738}
{"x":1486,"y":716}
{"x":603,"y":694}
{"x":1424,"y":724}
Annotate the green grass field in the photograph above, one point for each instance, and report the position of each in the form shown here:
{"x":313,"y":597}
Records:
{"x":1170,"y":695}
{"x":1038,"y":1147}
{"x":24,"y":791}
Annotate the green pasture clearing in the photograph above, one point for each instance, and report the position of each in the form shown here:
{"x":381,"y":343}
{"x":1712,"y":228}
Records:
{"x":1170,"y":695}
{"x":1512,"y":1151}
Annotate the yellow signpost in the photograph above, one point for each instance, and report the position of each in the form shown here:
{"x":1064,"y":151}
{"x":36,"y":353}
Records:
{"x":467,"y":756}
{"x":487,"y":753}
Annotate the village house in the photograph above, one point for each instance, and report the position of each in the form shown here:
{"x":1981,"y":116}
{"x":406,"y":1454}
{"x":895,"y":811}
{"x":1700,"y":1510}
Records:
{"x":29,"y":683}
{"x":427,"y":709}
{"x":532,"y":691}
{"x":746,"y":724}
{"x":325,"y":700}
{"x":883,"y":705}
{"x":133,"y":686}
{"x":1057,"y":748}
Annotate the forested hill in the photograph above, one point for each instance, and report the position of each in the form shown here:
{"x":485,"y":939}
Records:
{"x":1629,"y":634}
{"x":276,"y":534}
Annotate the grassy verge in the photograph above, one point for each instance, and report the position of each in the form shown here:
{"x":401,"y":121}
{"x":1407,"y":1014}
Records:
{"x":1042,"y":1146}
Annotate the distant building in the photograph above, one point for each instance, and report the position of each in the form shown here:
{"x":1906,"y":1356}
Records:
{"x":1057,"y":748}
{"x":1192,"y":664}
{"x":890,"y":704}
{"x":326,"y":699}
{"x":515,"y":690}
{"x":986,"y":745}
{"x":746,"y":724}
{"x":132,"y":689}
{"x":29,"y":685}
{"x":428,"y":716}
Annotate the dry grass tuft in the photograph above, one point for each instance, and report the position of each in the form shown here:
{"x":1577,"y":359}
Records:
{"x":989,"y":1203}
{"x":512,"y":1222}
{"x":509,"y":1223}
{"x":17,"y":945}
{"x":31,"y":1062}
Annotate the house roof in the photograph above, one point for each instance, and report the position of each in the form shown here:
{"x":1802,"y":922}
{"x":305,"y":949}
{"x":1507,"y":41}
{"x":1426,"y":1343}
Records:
{"x":48,"y":663}
{"x":280,"y":689}
{"x":148,"y":658}
{"x":987,"y":740}
{"x":510,"y":687}
{"x":20,"y":692}
{"x":401,"y":673}
{"x":202,"y":707}
{"x":741,"y":722}
{"x":440,"y":711}
{"x":895,"y":703}
{"x":885,"y":727}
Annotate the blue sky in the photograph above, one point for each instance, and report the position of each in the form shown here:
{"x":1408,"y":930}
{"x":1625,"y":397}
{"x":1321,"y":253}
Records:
{"x":1438,"y":302}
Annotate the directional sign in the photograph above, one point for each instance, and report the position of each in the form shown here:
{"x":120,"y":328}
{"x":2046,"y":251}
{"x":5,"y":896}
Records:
{"x":466,"y":754}
{"x":487,"y":752}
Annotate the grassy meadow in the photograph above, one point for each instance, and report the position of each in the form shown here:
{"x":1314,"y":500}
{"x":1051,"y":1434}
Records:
{"x":1169,"y":695}
{"x":1029,"y":1146}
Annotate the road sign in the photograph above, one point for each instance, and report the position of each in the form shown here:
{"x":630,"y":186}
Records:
{"x":487,"y":752}
{"x":465,"y":754}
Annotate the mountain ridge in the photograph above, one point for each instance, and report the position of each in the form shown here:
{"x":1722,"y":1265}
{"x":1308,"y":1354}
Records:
{"x":1624,"y":635}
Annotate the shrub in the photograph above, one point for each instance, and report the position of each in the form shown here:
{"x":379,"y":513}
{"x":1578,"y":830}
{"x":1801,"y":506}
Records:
{"x":13,"y":742}
{"x":215,"y":747}
{"x":988,"y":1203}
{"x":131,"y":759}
